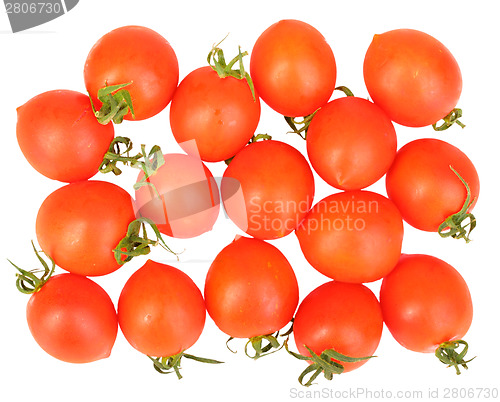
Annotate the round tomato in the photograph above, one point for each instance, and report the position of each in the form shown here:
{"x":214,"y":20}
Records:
{"x":351,"y":143}
{"x":267,"y":189}
{"x":423,"y":185}
{"x":220,"y":114}
{"x":161,"y":311}
{"x":412,"y":76}
{"x":73,"y":319}
{"x":80,"y":224}
{"x":345,"y":317}
{"x":352,"y":236}
{"x":60,"y":136}
{"x":293,"y":68}
{"x":251,"y":289}
{"x":139,"y":56}
{"x":181,"y":197}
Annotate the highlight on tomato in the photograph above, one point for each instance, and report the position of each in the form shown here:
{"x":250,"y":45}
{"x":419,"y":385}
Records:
{"x":60,"y":136}
{"x":251,"y":291}
{"x":414,"y":78}
{"x":427,"y":307}
{"x":337,"y":328}
{"x":435,"y":187}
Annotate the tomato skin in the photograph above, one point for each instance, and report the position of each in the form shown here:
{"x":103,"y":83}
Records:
{"x":353,"y":236}
{"x":267,"y":189}
{"x":293,"y":68}
{"x":351,"y":143}
{"x":139,"y":55}
{"x":220,"y":114}
{"x":425,"y":301}
{"x":424,"y":188}
{"x":79,"y":225}
{"x":73,"y":319}
{"x":345,"y":317}
{"x":251,"y":289}
{"x":412,"y":76}
{"x":60,"y":136}
{"x":161,"y":311}
{"x":189,"y":201}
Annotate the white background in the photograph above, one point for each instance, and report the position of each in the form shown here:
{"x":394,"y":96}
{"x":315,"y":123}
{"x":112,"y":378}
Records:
{"x":52,"y":56}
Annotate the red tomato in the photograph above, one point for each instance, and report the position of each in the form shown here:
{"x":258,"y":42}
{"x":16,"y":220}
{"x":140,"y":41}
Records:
{"x":418,"y":310}
{"x":161,"y":311}
{"x":182,"y":198}
{"x":424,"y":188}
{"x":267,"y":189}
{"x":137,"y":55}
{"x":73,"y":319}
{"x":352,"y":236}
{"x":351,"y":143}
{"x":220,"y":114}
{"x":60,"y":136}
{"x":412,"y":76}
{"x":293,"y":68}
{"x":345,"y":317}
{"x":251,"y":289}
{"x":80,"y":224}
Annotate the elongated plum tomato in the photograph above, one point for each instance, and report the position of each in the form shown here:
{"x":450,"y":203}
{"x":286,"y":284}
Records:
{"x":353,"y":236}
{"x":181,"y":198}
{"x":267,"y":189}
{"x":136,"y":55}
{"x":293,"y":68}
{"x":60,"y":136}
{"x":80,"y":224}
{"x":251,"y":289}
{"x":220,"y":114}
{"x":73,"y":319}
{"x":161,"y":311}
{"x":351,"y":143}
{"x":424,"y":187}
{"x":345,"y":317}
{"x":412,"y":76}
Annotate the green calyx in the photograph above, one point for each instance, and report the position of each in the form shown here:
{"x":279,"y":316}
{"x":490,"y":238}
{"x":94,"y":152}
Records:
{"x":116,"y":104}
{"x":172,"y":364}
{"x":450,"y":119}
{"x":447,"y":354}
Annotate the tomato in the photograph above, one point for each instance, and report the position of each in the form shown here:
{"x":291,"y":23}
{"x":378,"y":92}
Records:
{"x":351,"y":143}
{"x":60,"y":137}
{"x":220,"y":114}
{"x":352,"y":236}
{"x":424,"y":187}
{"x":182,"y":197}
{"x":267,"y":189}
{"x":80,"y":224}
{"x":161,"y":311}
{"x":293,"y":68}
{"x":73,"y":319}
{"x":250,"y":289}
{"x":412,"y":76}
{"x":345,"y":317}
{"x":136,"y":55}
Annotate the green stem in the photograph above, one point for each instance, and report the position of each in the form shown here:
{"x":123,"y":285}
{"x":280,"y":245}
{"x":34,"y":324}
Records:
{"x":447,"y":354}
{"x":450,"y":119}
{"x":172,"y":364}
{"x":116,"y":104}
{"x":294,"y":124}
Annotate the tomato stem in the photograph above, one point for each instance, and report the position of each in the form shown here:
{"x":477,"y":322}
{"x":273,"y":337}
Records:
{"x":450,"y":119}
{"x":345,"y":90}
{"x":171,"y":364}
{"x":255,"y":138}
{"x":447,"y":354}
{"x":116,"y":103}
{"x":293,"y":122}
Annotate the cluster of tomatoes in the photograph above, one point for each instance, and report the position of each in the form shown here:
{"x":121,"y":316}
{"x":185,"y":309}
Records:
{"x":353,"y":236}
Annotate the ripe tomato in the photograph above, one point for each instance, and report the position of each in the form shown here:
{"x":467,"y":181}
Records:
{"x":182,"y":197}
{"x":80,"y":224}
{"x":161,"y":311}
{"x":293,"y":68}
{"x":424,"y":188}
{"x":345,"y":317}
{"x":351,"y":143}
{"x":136,"y":55}
{"x":73,"y":319}
{"x":267,"y":189}
{"x":412,"y":76}
{"x":60,"y":136}
{"x":251,"y":289}
{"x":352,"y":236}
{"x":220,"y":114}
